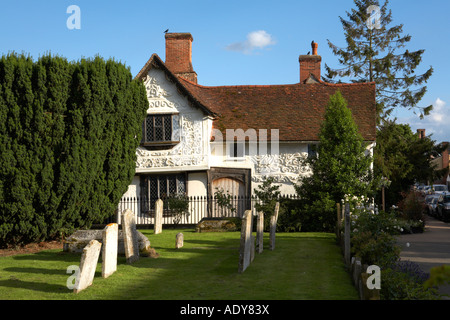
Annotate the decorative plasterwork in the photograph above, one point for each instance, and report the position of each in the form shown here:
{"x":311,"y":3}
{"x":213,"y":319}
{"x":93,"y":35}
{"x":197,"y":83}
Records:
{"x":283,"y":167}
{"x":187,"y":127}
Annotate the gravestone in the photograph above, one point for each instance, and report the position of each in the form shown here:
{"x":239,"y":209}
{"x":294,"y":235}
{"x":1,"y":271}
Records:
{"x":110,"y":249}
{"x":179,"y":239}
{"x":260,"y":232}
{"x":88,"y":265}
{"x":273,"y":226}
{"x":246,"y":243}
{"x":158,"y":216}
{"x":80,"y":238}
{"x":130,"y":237}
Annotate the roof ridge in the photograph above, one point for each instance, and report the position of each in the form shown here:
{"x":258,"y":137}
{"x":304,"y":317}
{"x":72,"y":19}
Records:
{"x":278,"y":85}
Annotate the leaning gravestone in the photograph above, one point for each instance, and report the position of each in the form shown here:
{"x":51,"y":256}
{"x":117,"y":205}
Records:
{"x":88,"y":265}
{"x":273,"y":226}
{"x":260,"y":232}
{"x":110,"y":249}
{"x":130,"y":240}
{"x":245,"y":245}
{"x":158,"y":216}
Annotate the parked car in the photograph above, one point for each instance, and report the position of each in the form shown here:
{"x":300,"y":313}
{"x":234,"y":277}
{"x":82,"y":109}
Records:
{"x":426,"y":190}
{"x":440,"y":188}
{"x":431,"y":201}
{"x":443,"y":206}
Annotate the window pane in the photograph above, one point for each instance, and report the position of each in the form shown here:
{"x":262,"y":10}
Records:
{"x":172,"y":181}
{"x":167,"y":128}
{"x":159,"y":128}
{"x":149,"y":127}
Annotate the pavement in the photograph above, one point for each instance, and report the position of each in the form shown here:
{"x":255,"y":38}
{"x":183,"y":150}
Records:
{"x":428,"y":249}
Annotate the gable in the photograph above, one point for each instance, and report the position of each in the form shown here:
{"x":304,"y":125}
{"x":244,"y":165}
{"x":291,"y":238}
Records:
{"x":155,"y":63}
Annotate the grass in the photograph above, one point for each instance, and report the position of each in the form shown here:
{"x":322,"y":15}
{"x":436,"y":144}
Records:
{"x":303,"y":266}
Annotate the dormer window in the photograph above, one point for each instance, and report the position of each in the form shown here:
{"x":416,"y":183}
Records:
{"x":157,"y":131}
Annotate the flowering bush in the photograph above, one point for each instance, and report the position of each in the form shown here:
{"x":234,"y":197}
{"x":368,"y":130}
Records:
{"x":373,"y":241}
{"x":372,"y":232}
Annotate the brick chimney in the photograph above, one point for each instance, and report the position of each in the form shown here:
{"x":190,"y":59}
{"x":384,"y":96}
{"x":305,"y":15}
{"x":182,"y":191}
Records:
{"x":421,"y":133}
{"x":179,"y":55}
{"x":310,"y":65}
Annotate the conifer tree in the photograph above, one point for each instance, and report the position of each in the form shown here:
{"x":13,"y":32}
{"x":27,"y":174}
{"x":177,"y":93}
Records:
{"x":68,"y":138}
{"x":341,"y":166}
{"x":375,"y":52}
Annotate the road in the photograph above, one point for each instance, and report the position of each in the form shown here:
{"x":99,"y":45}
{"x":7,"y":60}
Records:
{"x":428,"y":249}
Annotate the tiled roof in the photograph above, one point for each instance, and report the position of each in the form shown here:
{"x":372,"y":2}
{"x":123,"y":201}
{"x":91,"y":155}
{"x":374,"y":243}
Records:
{"x":297,"y":110}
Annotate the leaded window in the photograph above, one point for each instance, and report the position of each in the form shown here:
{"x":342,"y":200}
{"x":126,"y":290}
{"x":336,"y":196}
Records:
{"x":157,"y":130}
{"x":154,"y":187}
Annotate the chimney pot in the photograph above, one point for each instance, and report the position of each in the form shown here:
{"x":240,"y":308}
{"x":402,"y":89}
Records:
{"x":314,"y":46}
{"x":310,"y":65}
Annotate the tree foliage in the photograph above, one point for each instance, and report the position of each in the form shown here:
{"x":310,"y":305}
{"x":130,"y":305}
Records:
{"x":68,"y":135}
{"x":341,"y":166}
{"x":378,"y":54}
{"x":404,"y":158}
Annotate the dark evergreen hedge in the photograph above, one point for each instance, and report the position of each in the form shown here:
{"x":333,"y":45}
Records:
{"x":68,"y":136}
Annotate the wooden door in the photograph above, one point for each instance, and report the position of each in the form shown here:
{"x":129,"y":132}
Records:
{"x":237,"y":202}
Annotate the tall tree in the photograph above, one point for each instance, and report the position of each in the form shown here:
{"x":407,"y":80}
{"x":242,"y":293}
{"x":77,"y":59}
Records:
{"x":68,"y":138}
{"x":404,"y":158}
{"x":341,"y":166}
{"x":375,"y":52}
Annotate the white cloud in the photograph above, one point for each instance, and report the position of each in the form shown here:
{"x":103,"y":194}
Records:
{"x":255,"y":40}
{"x":437,"y":123}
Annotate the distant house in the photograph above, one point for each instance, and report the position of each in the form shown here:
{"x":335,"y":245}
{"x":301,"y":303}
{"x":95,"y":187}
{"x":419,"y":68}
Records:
{"x":442,"y":162}
{"x":198,"y":139}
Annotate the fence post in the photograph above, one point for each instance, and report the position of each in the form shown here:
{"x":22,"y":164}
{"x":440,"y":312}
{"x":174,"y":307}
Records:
{"x":338,"y":223}
{"x":347,"y":234}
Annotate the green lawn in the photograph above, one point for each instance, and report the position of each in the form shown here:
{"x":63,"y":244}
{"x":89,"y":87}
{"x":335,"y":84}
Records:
{"x":303,"y":266}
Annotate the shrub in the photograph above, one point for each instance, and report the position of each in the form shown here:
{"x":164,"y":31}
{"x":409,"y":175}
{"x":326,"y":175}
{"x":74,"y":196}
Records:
{"x":412,"y":207}
{"x":178,"y":205}
{"x":268,"y":195}
{"x":68,"y":138}
{"x":399,"y":285}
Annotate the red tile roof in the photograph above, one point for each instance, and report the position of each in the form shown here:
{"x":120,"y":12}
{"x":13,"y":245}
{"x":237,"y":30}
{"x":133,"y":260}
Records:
{"x":297,"y":110}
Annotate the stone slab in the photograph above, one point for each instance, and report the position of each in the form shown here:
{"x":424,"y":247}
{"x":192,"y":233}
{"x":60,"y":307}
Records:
{"x":245,"y":249}
{"x":179,"y":240}
{"x":273,"y":226}
{"x":88,"y":265}
{"x":109,"y":249}
{"x":130,"y":237}
{"x":79,"y":239}
{"x":216,"y":225}
{"x":260,"y":232}
{"x":158,"y":216}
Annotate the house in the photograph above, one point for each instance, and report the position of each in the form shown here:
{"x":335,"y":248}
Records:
{"x":442,"y":162}
{"x":199,"y":139}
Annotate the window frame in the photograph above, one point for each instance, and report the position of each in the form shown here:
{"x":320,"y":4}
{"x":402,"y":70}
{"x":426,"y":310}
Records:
{"x":164,"y":142}
{"x":148,"y":203}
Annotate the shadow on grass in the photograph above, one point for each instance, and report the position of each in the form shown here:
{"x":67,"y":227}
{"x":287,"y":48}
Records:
{"x":33,"y":286}
{"x":206,"y":267}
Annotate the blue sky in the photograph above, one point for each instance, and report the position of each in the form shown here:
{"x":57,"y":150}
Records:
{"x":235,"y":42}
